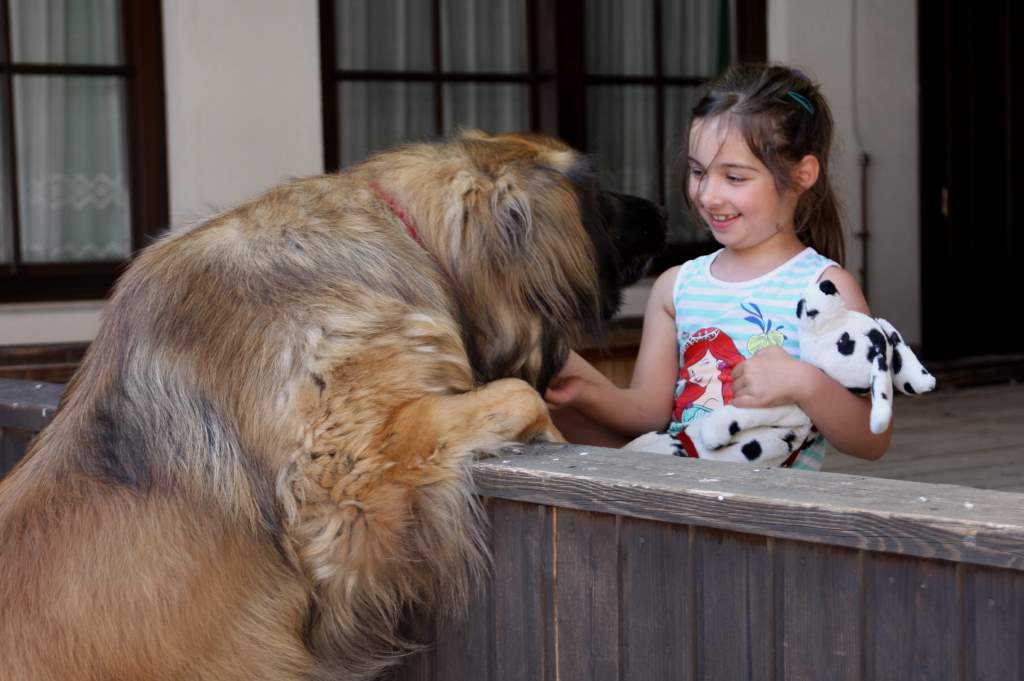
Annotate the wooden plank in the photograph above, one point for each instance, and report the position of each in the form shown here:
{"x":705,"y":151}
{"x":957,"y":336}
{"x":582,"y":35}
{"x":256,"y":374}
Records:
{"x":966,"y":436}
{"x":523,"y":629}
{"x":457,"y":647}
{"x":418,"y":666}
{"x":960,"y":398}
{"x":913,"y":619}
{"x":734,"y":606}
{"x":994,"y":624}
{"x":28,"y":404}
{"x":931,"y":521}
{"x":822,"y":606}
{"x":925,"y":457}
{"x":946,"y":465}
{"x":464,"y":645}
{"x":658,"y":604}
{"x":998,"y":468}
{"x":14,"y":442}
{"x":586,"y":596}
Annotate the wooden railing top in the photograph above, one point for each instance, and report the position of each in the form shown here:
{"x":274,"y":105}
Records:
{"x":949,"y":522}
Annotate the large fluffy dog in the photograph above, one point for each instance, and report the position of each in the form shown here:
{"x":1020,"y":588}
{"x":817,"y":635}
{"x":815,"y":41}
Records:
{"x":262,"y":463}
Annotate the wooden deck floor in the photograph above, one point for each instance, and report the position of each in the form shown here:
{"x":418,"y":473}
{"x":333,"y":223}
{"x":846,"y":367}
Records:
{"x":965,"y":436}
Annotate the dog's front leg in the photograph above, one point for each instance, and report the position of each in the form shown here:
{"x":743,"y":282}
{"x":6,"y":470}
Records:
{"x":388,"y":520}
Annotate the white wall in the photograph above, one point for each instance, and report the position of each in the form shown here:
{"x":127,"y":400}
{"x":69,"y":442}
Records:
{"x":243,"y":113}
{"x":243,"y":99}
{"x":815,"y":35}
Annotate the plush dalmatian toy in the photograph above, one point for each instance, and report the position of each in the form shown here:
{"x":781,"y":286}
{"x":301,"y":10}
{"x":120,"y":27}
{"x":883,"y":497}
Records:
{"x":864,"y":354}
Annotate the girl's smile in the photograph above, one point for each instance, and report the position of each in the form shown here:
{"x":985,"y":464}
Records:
{"x":722,"y":221}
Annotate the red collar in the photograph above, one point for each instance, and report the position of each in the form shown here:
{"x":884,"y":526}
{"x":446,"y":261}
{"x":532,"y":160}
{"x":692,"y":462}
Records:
{"x":392,"y":202}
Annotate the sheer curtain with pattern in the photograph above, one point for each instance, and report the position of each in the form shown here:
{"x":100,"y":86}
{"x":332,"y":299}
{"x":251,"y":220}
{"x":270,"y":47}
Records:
{"x":69,"y":160}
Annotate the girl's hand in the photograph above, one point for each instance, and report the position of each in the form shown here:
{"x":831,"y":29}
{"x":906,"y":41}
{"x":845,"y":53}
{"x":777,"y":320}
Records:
{"x":569,"y":385}
{"x":771,"y":378}
{"x":564,"y":390}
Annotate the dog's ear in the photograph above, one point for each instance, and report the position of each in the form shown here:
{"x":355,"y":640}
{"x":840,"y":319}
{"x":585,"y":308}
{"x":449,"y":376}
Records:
{"x":489,"y":218}
{"x":473,"y":134}
{"x":511,"y":210}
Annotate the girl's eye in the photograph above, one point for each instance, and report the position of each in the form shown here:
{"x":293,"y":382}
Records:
{"x":696,"y":172}
{"x":736,"y":180}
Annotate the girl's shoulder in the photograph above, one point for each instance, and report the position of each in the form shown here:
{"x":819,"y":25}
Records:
{"x":664,"y":286}
{"x":848,"y":286}
{"x":694,"y":267}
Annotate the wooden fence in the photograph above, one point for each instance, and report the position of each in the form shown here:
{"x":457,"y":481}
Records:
{"x":629,"y":566}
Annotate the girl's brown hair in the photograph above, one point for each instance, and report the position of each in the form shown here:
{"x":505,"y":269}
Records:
{"x":783,"y":117}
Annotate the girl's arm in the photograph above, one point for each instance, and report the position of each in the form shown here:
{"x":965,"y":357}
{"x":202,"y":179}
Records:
{"x":773,"y":378}
{"x":647,"y":404}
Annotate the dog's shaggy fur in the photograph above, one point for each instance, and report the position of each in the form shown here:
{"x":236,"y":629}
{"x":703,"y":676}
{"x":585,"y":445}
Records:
{"x":262,"y":463}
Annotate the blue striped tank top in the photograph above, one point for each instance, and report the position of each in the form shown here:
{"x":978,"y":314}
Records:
{"x":719,"y":323}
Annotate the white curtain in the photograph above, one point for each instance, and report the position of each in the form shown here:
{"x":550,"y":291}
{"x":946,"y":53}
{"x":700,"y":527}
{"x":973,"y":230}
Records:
{"x":694,"y":36}
{"x":622,"y":118}
{"x":383,"y":35}
{"x":70,"y":133}
{"x":396,"y":36}
{"x":485,"y":36}
{"x":620,"y":37}
{"x":6,"y":223}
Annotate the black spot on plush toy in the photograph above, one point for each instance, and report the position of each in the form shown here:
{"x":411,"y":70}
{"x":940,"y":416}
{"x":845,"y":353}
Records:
{"x":864,"y":354}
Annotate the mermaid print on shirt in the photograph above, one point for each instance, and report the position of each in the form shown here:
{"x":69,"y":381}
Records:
{"x":708,"y":358}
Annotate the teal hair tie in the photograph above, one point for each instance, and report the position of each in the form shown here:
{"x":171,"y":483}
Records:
{"x":801,"y":100}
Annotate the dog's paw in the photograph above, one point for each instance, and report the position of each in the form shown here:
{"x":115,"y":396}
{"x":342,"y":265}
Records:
{"x":717,"y":429}
{"x":513,"y":410}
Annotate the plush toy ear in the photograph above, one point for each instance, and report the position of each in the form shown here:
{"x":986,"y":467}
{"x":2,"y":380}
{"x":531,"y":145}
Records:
{"x":828,"y":288}
{"x":908,"y":374}
{"x":881,"y":381}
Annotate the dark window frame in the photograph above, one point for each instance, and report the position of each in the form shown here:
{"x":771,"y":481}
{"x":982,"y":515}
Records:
{"x":331,"y":76}
{"x":557,"y":78}
{"x":143,"y":72}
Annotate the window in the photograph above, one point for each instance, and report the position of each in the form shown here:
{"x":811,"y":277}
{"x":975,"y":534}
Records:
{"x":399,"y":70}
{"x":82,"y":143}
{"x":416,"y":69}
{"x":646,"y":61}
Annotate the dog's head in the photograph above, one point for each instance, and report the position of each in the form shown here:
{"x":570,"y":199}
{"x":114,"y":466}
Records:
{"x":633,"y":231}
{"x":539,"y":252}
{"x":821,"y":304}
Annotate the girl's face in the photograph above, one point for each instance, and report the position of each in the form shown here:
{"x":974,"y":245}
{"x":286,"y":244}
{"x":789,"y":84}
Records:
{"x":732,"y":190}
{"x":703,"y":370}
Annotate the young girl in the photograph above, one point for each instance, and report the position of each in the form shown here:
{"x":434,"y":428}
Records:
{"x":722,"y":328}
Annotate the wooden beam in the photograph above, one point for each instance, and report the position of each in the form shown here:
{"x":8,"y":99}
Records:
{"x":949,"y":522}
